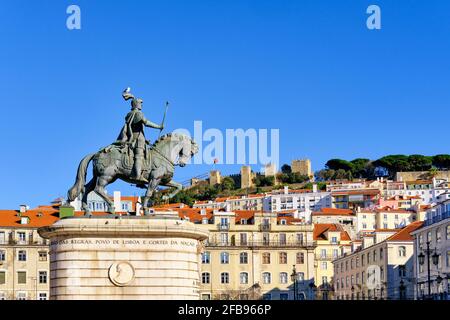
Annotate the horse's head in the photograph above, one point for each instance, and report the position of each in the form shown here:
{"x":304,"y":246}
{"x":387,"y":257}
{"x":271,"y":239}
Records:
{"x":181,"y":147}
{"x":188,"y":150}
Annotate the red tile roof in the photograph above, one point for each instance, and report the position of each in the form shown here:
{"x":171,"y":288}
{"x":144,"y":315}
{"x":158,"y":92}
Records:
{"x":321,"y":228}
{"x":405,"y":233}
{"x":333,"y":212}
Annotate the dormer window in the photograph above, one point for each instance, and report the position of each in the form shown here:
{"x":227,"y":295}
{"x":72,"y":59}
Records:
{"x":244,"y":221}
{"x":283,"y":221}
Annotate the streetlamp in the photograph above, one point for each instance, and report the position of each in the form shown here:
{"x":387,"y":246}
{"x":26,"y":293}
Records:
{"x":294,"y":278}
{"x":353,"y":292}
{"x":435,"y":258}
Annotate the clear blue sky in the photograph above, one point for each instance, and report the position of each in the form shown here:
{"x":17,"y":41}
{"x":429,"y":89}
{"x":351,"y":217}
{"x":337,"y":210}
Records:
{"x":310,"y":68}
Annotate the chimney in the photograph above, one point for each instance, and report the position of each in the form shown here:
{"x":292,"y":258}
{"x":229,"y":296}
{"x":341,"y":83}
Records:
{"x":24,"y":220}
{"x":286,"y":189}
{"x":117,"y":201}
{"x":314,"y":187}
{"x":23,"y":208}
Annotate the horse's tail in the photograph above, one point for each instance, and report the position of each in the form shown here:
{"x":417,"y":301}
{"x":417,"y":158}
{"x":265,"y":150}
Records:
{"x":78,"y":187}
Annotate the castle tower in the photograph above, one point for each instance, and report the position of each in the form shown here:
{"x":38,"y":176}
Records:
{"x":246,"y":177}
{"x":302,"y":166}
{"x":214,"y":177}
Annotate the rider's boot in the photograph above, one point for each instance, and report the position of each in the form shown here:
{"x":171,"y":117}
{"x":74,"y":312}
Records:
{"x":137,"y":170}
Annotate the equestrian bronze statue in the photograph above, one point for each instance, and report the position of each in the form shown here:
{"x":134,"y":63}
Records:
{"x":132,"y":159}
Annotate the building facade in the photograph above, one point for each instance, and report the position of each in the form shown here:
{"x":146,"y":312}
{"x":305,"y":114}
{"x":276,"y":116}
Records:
{"x":432,"y":253}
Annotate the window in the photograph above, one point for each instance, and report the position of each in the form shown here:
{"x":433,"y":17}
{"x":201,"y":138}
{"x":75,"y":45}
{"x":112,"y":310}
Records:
{"x":266,"y":277}
{"x":300,"y":237}
{"x":224,"y":238}
{"x":402,"y":251}
{"x":283,"y":222}
{"x":224,"y":296}
{"x":300,"y":258}
{"x":224,"y":258}
{"x":206,"y":257}
{"x":42,"y":256}
{"x":448,"y":260}
{"x":21,"y":277}
{"x":42,"y":277}
{"x":243,"y":277}
{"x":205,"y":221}
{"x":323,"y":253}
{"x":22,"y":237}
{"x":364,"y":225}
{"x":283,"y":277}
{"x":381,"y":253}
{"x":243,"y":258}
{"x":300,"y":276}
{"x":282,"y":238}
{"x":374,"y":255}
{"x":42,"y":296}
{"x":206,"y":296}
{"x":448,"y":232}
{"x":266,"y":258}
{"x":2,"y":255}
{"x":243,"y":237}
{"x":381,"y":273}
{"x":22,"y":255}
{"x":2,"y":277}
{"x":2,"y":237}
{"x":283,"y":257}
{"x":352,"y":263}
{"x":334,"y":240}
{"x":323,"y":265}
{"x":335,"y":253}
{"x":324,"y":280}
{"x":362,"y":260}
{"x":21,"y":296}
{"x":438,"y":235}
{"x":224,"y":278}
{"x":402,"y":271}
{"x":206,"y":278}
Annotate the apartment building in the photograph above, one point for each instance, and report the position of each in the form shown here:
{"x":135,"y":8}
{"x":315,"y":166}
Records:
{"x":432,"y":253}
{"x":24,"y":258}
{"x":332,"y":241}
{"x":380,"y":266}
{"x":353,"y":199}
{"x":252,"y":255}
{"x":383,"y":218}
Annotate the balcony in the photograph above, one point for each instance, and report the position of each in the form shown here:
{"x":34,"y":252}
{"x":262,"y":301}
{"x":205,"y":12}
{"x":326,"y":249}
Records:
{"x":437,"y":218}
{"x":326,"y":257}
{"x":265,"y":227}
{"x":223,"y":226}
{"x":262,"y":244}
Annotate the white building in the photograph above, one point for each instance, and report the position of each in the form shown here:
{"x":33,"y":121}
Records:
{"x":121,"y":204}
{"x":304,"y":201}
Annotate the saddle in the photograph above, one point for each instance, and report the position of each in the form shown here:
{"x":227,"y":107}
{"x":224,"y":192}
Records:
{"x":125,"y":155}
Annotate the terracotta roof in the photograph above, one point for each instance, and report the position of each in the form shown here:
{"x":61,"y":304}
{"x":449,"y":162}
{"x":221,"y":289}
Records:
{"x":321,"y":228}
{"x":39,"y":217}
{"x":333,"y":212}
{"x":386,"y":209}
{"x":405,"y":233}
{"x":359,"y":191}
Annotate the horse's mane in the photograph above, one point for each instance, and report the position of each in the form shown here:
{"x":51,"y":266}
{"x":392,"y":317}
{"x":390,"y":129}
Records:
{"x":169,"y":136}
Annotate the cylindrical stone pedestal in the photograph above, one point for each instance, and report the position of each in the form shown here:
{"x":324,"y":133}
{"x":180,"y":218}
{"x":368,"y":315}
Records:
{"x":156,"y":257}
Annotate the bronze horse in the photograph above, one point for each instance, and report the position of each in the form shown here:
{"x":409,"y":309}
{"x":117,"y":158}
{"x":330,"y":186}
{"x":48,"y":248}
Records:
{"x":115,"y":162}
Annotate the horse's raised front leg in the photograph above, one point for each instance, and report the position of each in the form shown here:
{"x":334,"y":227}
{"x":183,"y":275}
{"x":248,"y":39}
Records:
{"x":173,"y":184}
{"x":150,"y":190}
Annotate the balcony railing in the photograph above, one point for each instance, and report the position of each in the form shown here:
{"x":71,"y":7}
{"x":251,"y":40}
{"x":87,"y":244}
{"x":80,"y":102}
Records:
{"x":223,"y":226}
{"x":326,"y":257}
{"x":438,"y":218}
{"x":264,"y":227}
{"x":262,"y":243}
{"x":28,"y":242}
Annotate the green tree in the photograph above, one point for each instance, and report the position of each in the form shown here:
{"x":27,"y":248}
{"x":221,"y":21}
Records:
{"x":418,"y":162}
{"x":337,"y":164}
{"x":442,"y":161}
{"x":285,"y":168}
{"x":227,"y":184}
{"x":360,"y":167}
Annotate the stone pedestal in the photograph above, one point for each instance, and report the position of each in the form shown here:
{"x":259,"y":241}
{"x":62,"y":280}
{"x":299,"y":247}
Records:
{"x":155,"y":257}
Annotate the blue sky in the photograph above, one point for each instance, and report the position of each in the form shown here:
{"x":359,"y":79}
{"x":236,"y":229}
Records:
{"x":310,"y":68}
